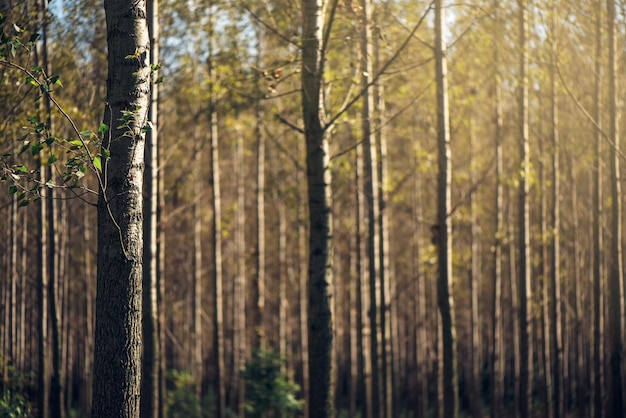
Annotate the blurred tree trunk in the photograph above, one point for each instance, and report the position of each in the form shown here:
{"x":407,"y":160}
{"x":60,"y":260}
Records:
{"x":444,"y":223}
{"x":525,"y":295}
{"x":319,"y":200}
{"x":216,"y":234}
{"x":240,"y":346}
{"x":554,"y":283}
{"x":117,"y":357}
{"x":497,"y":355}
{"x":598,"y":220}
{"x":150,"y":399}
{"x":260,"y":207}
{"x":615,"y":290}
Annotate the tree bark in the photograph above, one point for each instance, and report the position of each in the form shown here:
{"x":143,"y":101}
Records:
{"x":444,"y":223}
{"x":319,"y":199}
{"x":150,"y":399}
{"x":117,"y":357}
{"x":615,"y":406}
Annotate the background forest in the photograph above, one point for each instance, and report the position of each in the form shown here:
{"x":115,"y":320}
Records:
{"x":350,"y":207}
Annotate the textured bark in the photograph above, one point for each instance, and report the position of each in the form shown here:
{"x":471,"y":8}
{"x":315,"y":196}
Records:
{"x":318,"y":182}
{"x":117,"y":357}
{"x":525,"y":295}
{"x":444,"y":223}
{"x":151,"y":348}
{"x":615,"y":407}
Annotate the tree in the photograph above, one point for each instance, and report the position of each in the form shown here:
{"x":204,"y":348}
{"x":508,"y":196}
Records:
{"x":615,"y":407}
{"x":318,"y":182}
{"x":117,"y":357}
{"x":525,"y":295}
{"x":444,"y":223}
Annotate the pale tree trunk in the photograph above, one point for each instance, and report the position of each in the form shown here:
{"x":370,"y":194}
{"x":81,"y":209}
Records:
{"x":370,"y":183}
{"x":598,"y":238}
{"x":554,"y":284}
{"x":196,"y":333}
{"x":514,"y":317}
{"x":615,"y":407}
{"x":240,"y":345}
{"x":545,"y":294}
{"x":260,"y":214}
{"x":364,"y":286}
{"x":117,"y":357}
{"x":282,"y":271}
{"x":151,"y":348}
{"x":319,"y":200}
{"x":389,"y":305}
{"x":216,"y":222}
{"x":497,"y":355}
{"x":475,"y":273}
{"x":420,"y":337}
{"x":444,"y":223}
{"x":525,"y":295}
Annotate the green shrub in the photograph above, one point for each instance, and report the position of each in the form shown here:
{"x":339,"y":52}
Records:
{"x":270,"y":393}
{"x":14,"y":405}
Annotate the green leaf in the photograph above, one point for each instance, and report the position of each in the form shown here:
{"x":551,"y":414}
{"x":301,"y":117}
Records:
{"x":32,"y":81}
{"x":12,"y":189}
{"x":36,"y":148}
{"x":97,"y":163}
{"x":86,"y":134}
{"x":106,"y":154}
{"x":24,"y":202}
{"x":52,"y":159}
{"x":103,"y":128}
{"x":76,"y":143}
{"x":37,"y":68}
{"x":22,"y":169}
{"x":56,"y":80}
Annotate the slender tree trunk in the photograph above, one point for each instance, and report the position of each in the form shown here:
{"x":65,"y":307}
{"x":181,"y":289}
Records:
{"x":260,"y":214}
{"x":598,"y":239}
{"x":514,"y":317}
{"x":525,"y":295}
{"x":117,"y":358}
{"x":87,"y":391}
{"x":282,"y":274}
{"x":319,"y":199}
{"x":151,"y":348}
{"x":240,"y":345}
{"x":554,"y":284}
{"x":545,"y":295}
{"x":216,"y":222}
{"x":419,"y":310}
{"x":444,"y":223}
{"x":196,"y":334}
{"x":371,"y":191}
{"x":497,"y":356}
{"x":475,"y":273}
{"x":615,"y":387}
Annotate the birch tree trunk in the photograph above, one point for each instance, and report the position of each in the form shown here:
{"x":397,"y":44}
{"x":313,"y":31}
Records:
{"x":117,"y":357}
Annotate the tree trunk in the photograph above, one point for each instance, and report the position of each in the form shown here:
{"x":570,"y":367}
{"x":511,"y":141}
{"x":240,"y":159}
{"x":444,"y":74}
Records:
{"x":525,"y":295}
{"x":117,"y":357}
{"x":598,"y":238}
{"x":554,"y":284}
{"x":151,"y":348}
{"x":196,"y":334}
{"x":260,"y":214}
{"x":615,"y":387}
{"x":216,"y":229}
{"x":497,"y":355}
{"x":444,"y":223}
{"x":318,"y":182}
{"x":240,"y":346}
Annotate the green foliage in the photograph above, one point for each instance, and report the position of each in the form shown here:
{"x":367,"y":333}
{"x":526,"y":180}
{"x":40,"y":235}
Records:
{"x":14,"y":405}
{"x":270,"y":392}
{"x":182,"y":401}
